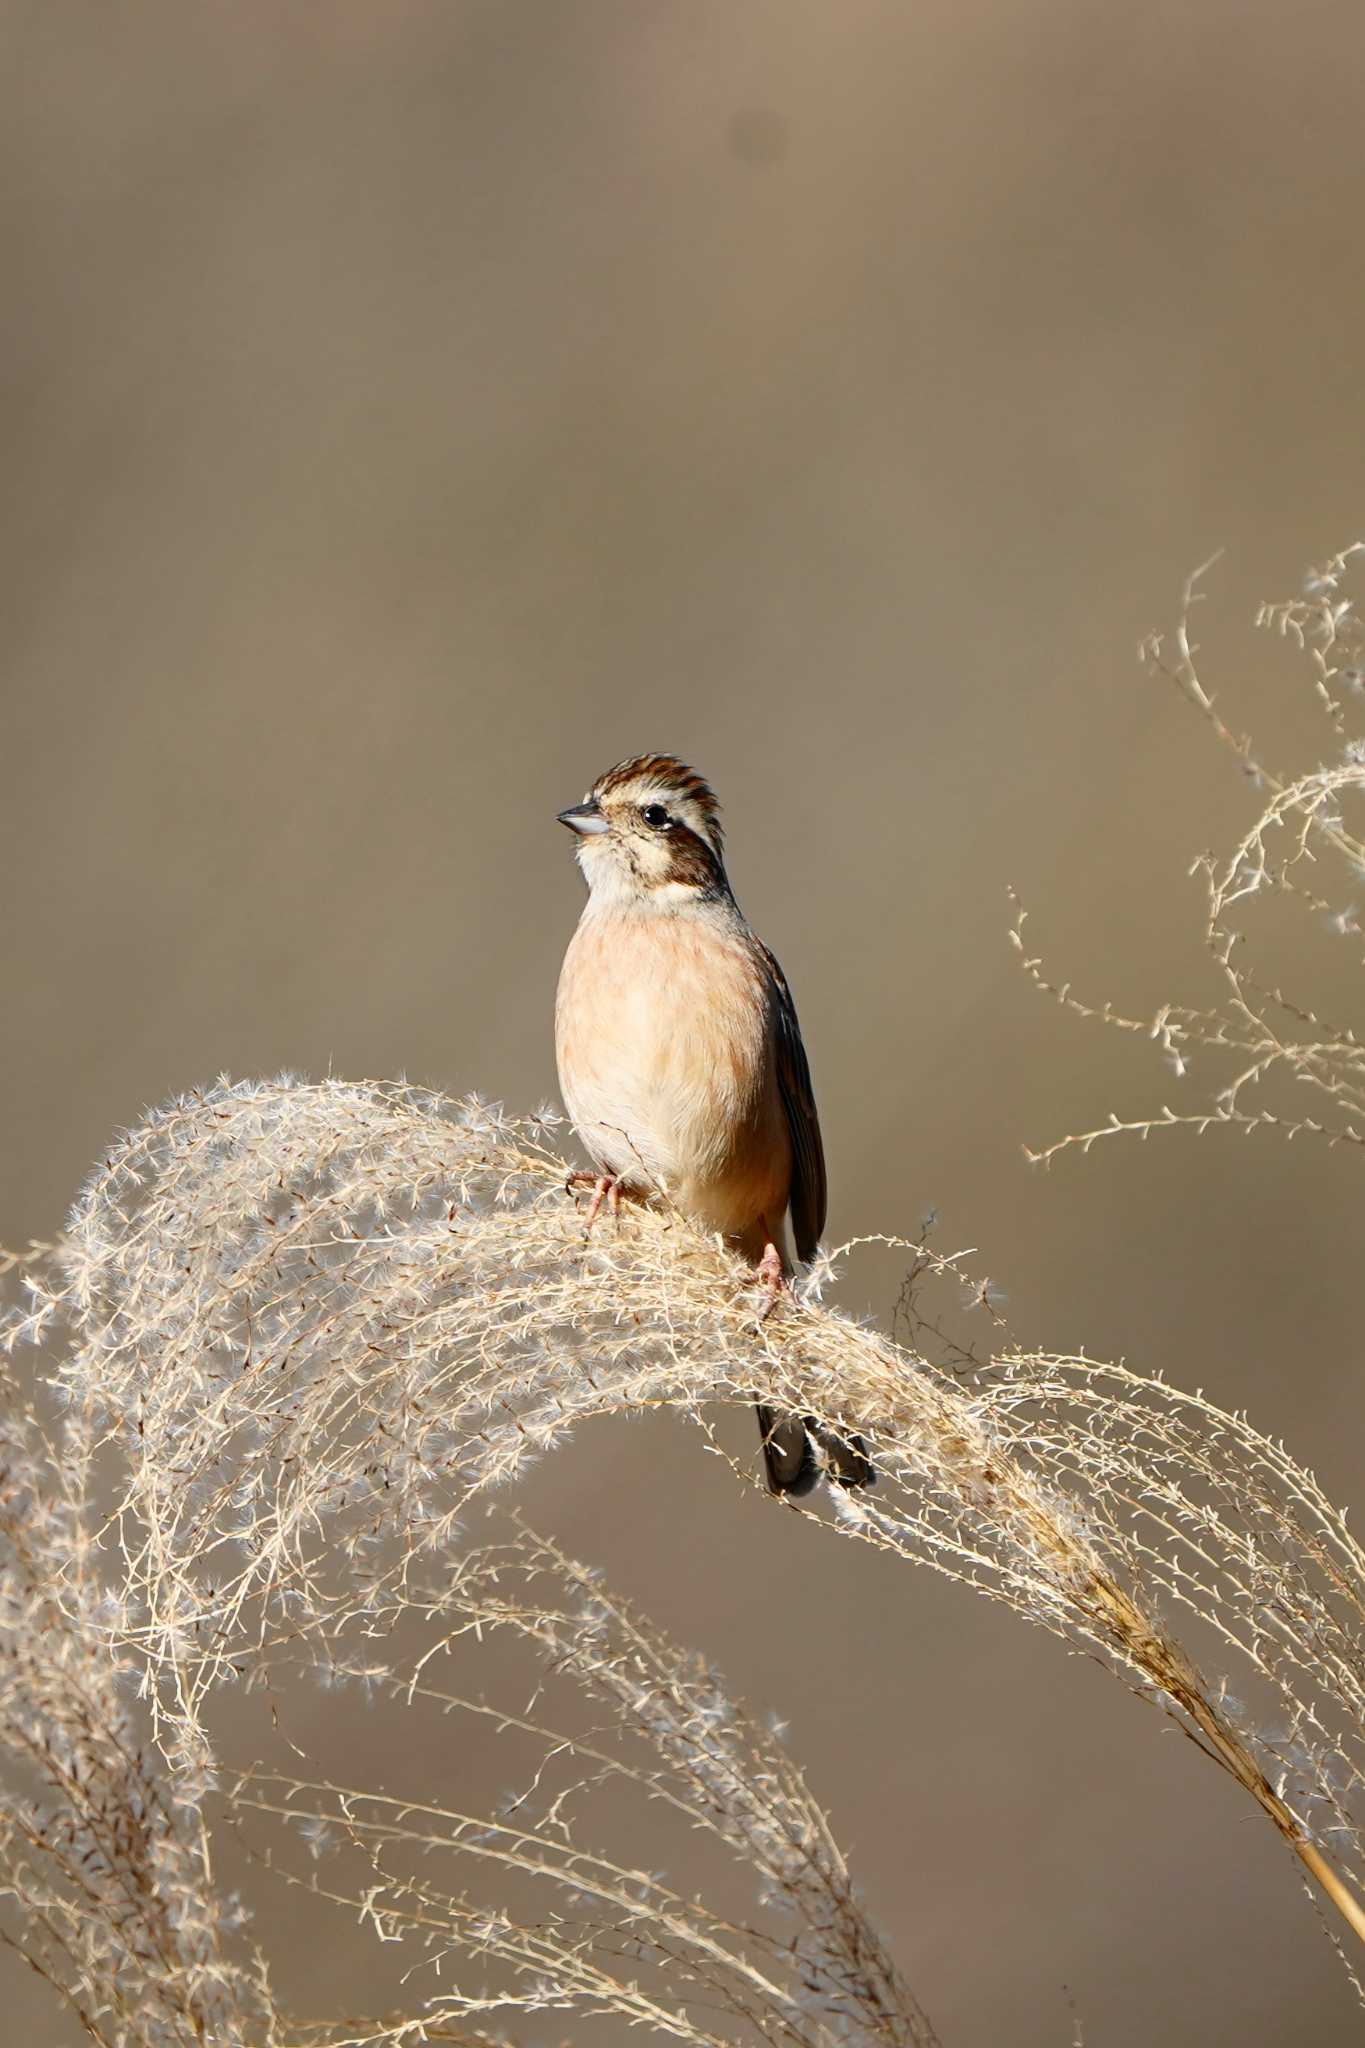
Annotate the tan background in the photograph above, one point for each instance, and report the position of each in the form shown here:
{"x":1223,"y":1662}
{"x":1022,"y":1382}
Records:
{"x":410,"y":409}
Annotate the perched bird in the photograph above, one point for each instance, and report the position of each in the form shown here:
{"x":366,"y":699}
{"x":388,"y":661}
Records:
{"x":680,"y":1057}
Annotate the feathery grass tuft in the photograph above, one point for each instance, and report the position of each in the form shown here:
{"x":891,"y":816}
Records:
{"x":616,"y":1939}
{"x":318,"y":1320}
{"x":105,"y":1880}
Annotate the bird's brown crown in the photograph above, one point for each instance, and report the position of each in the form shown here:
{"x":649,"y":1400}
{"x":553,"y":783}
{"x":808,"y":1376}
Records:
{"x":665,"y":779}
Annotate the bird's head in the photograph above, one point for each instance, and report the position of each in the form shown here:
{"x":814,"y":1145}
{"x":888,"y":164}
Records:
{"x":648,"y":832}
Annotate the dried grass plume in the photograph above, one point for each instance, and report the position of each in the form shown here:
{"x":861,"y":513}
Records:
{"x":298,"y":1331}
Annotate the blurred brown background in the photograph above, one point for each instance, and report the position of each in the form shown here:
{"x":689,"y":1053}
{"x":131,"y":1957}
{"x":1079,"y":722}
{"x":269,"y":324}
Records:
{"x":408,"y":409}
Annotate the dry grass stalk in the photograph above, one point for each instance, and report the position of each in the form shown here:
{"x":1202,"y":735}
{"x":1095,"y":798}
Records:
{"x":318,"y":1320}
{"x":617,"y":1941}
{"x":108,"y":1871}
{"x":284,"y":1513}
{"x":105,"y":1884}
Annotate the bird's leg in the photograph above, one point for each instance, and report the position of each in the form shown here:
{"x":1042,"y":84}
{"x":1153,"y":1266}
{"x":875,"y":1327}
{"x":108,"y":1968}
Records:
{"x":771,"y":1277}
{"x":606,"y":1187}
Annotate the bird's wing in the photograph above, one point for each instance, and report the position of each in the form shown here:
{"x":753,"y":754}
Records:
{"x":808,"y":1189}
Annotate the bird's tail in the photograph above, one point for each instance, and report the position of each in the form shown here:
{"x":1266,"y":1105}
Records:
{"x":789,"y":1454}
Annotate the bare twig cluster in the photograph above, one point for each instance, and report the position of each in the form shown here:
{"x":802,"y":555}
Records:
{"x":1259,"y":1035}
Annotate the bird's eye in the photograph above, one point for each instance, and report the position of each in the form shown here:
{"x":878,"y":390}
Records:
{"x":655,"y":814}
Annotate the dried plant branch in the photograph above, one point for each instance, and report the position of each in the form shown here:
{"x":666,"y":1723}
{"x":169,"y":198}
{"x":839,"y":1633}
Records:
{"x":1259,"y":1035}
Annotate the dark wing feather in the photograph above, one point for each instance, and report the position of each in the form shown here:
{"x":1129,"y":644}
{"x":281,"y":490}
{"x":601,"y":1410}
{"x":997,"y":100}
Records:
{"x":808,"y":1190}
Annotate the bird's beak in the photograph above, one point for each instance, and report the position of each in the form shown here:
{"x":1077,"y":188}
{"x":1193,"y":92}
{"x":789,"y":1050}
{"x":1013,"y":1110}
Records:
{"x":585,"y":818}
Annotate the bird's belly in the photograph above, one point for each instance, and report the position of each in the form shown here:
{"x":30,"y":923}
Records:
{"x":667,"y":1073}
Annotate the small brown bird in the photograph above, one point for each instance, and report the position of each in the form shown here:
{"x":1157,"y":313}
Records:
{"x":680,"y":1056}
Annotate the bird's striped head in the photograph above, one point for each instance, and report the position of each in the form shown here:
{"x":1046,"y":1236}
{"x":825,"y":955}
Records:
{"x":649,"y":830}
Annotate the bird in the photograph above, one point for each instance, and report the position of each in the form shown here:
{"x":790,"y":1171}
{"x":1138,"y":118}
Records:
{"x":680,"y":1057}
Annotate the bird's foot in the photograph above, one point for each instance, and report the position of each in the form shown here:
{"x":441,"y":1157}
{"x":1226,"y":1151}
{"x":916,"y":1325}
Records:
{"x":606,"y":1187}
